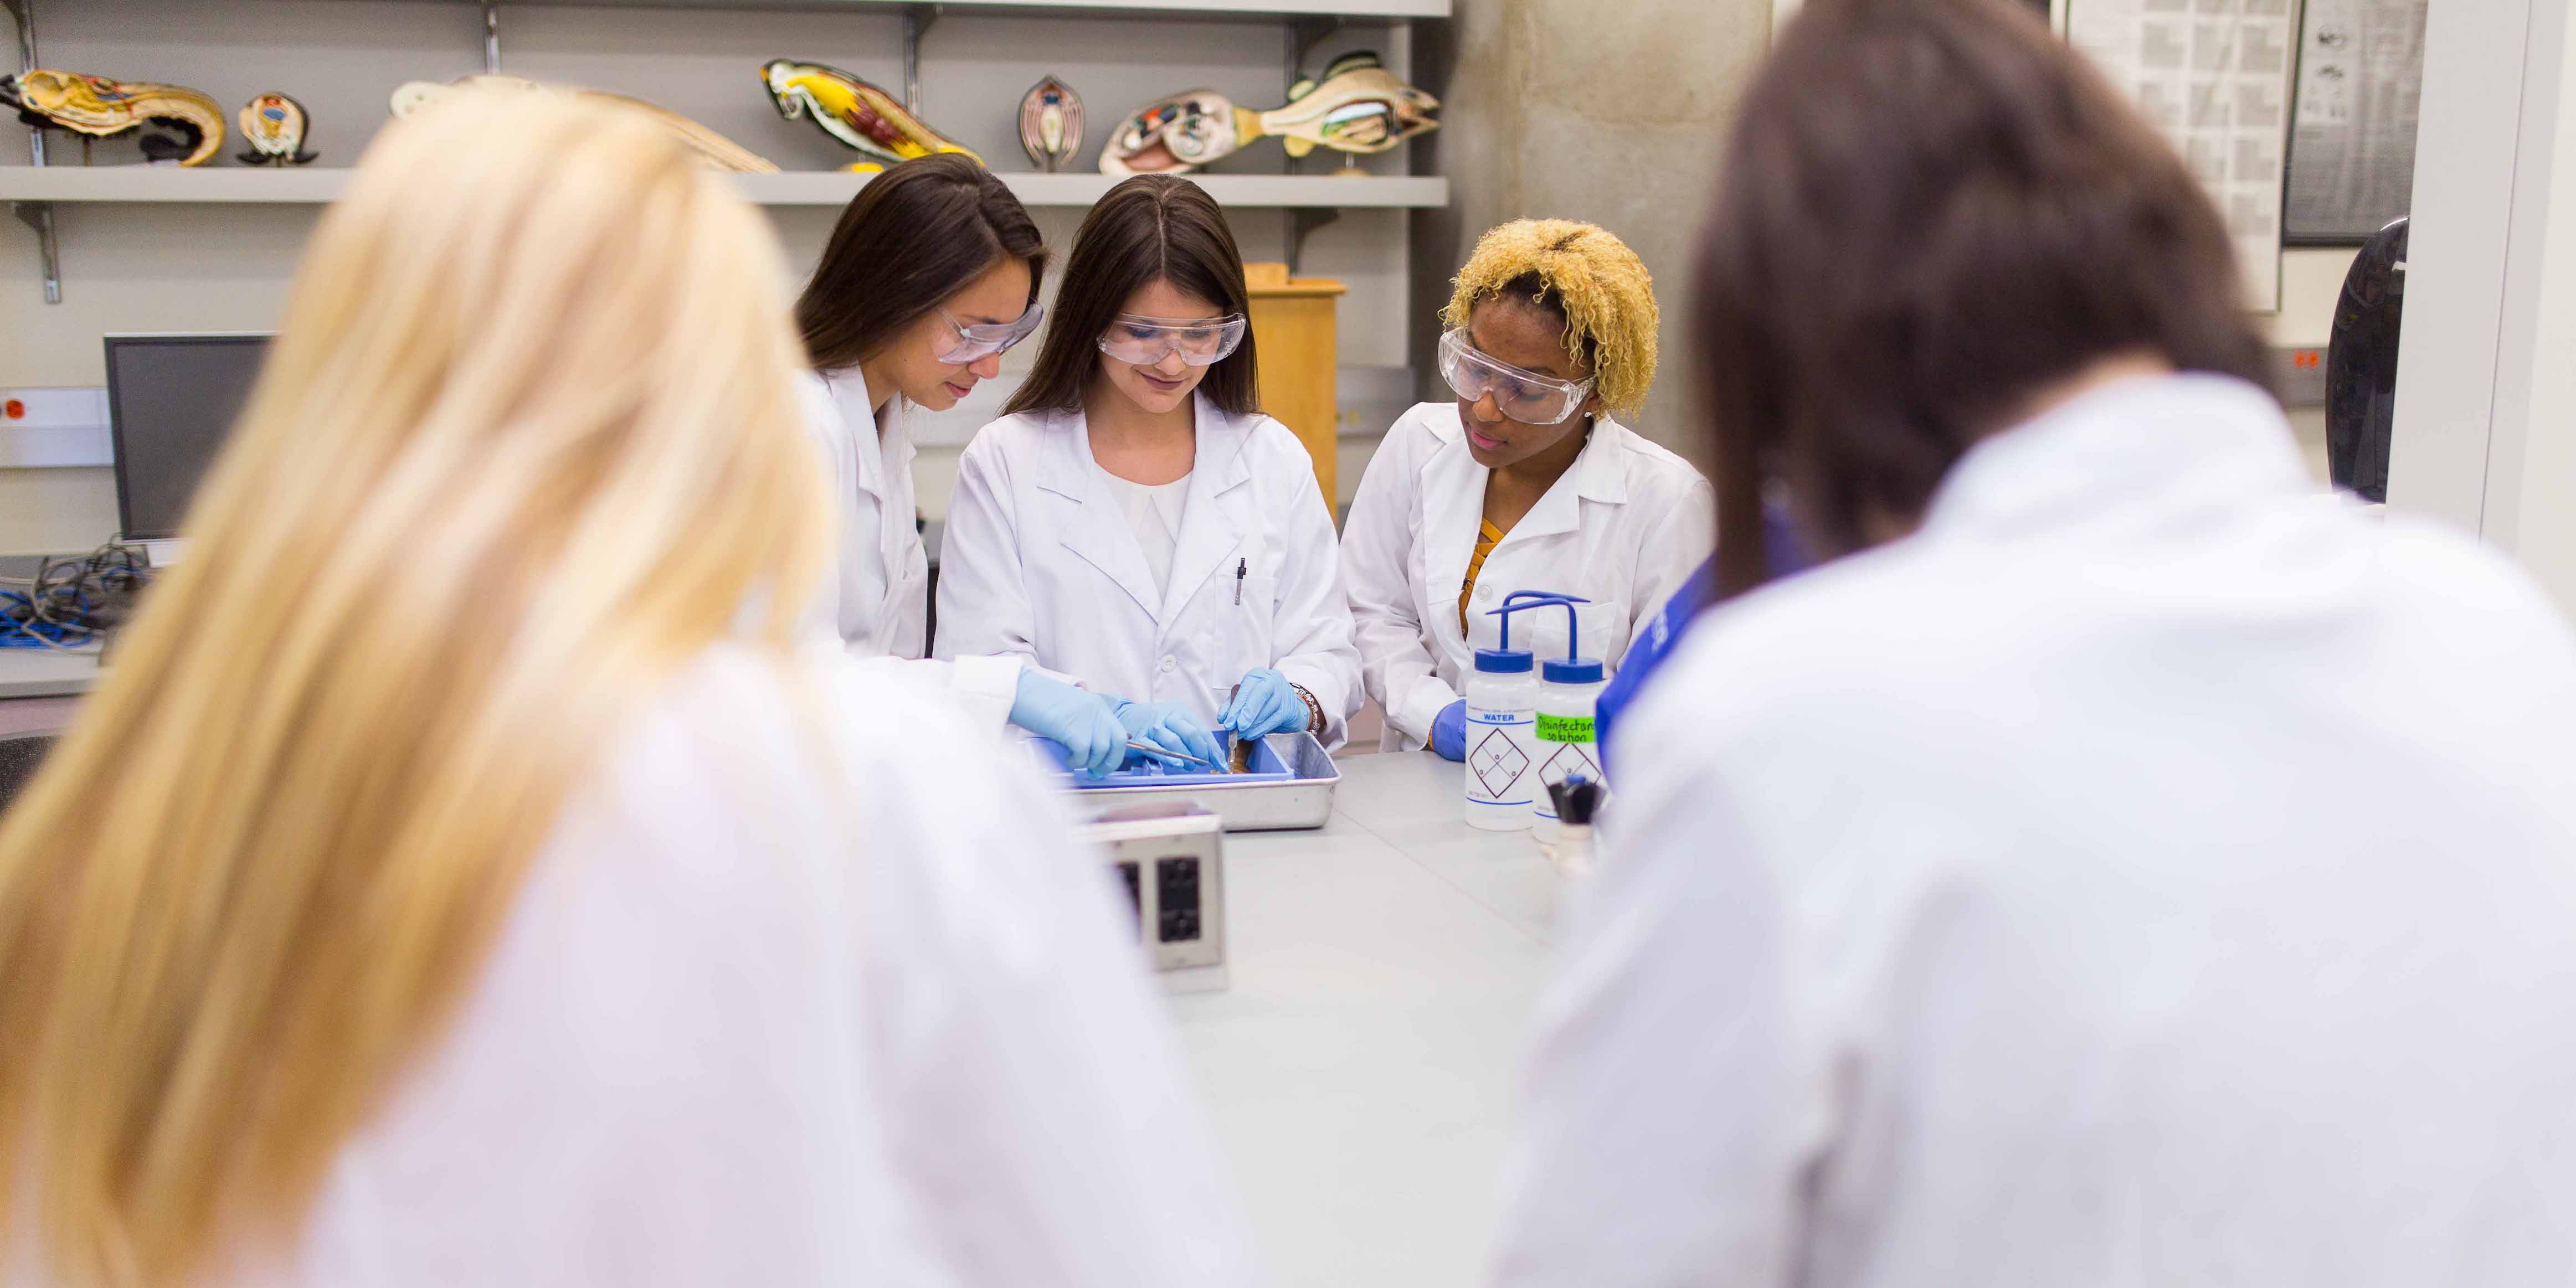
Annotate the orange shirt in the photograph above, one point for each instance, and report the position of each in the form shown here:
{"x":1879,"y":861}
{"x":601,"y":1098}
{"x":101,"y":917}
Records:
{"x":1486,"y":537}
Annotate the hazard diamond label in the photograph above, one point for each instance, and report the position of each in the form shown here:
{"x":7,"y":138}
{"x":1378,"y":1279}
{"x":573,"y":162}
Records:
{"x":1497,"y":762}
{"x":1569,"y":759}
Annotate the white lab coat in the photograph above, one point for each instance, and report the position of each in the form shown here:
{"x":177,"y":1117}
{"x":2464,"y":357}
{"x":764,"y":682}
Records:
{"x":1623,"y":527}
{"x":807,"y":988}
{"x":875,"y":597}
{"x":2153,"y":871}
{"x":1039,"y":561}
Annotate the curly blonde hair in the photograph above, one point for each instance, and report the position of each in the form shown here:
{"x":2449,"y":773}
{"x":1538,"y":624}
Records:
{"x":1586,"y":273}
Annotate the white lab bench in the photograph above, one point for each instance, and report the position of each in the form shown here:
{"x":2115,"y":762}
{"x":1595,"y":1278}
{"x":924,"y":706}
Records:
{"x":40,"y":687}
{"x":1364,"y":1067}
{"x":46,"y":672}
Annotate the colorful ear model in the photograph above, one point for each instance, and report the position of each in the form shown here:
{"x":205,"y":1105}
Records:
{"x":273,"y":127}
{"x":1178,"y":134}
{"x":853,"y":111}
{"x":1357,"y":106}
{"x":96,"y":107}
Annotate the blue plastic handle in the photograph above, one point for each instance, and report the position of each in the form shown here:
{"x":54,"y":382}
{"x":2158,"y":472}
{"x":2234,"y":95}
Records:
{"x":1520,"y":599}
{"x":1573,"y":628}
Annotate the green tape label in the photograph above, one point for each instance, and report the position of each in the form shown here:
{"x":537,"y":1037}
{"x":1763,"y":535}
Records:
{"x":1564,"y":728}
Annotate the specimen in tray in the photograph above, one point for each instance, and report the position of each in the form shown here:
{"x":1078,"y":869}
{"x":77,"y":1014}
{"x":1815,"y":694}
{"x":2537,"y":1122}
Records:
{"x":1357,"y":106}
{"x":95,"y":107}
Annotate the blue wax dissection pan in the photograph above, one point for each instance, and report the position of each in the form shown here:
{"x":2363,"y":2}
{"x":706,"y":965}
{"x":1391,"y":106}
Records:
{"x":1140,"y":772}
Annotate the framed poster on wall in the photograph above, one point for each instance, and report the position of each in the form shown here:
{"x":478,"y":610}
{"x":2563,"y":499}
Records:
{"x":2214,"y":76}
{"x":2352,"y":136}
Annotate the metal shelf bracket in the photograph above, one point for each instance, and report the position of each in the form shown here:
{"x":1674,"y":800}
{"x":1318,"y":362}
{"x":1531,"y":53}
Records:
{"x":917,"y":22}
{"x":1302,"y":222}
{"x":491,"y":38}
{"x":1303,"y":34}
{"x":39,"y":215}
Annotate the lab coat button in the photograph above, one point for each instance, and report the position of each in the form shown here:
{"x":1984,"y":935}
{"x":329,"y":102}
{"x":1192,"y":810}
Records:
{"x":1169,"y":662}
{"x":1485,"y":594}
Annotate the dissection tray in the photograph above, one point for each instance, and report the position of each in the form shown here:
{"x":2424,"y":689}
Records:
{"x":1290,"y":785}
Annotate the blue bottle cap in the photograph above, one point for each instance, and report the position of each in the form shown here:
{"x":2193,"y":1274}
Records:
{"x":1504,"y":661}
{"x":1569,"y":670}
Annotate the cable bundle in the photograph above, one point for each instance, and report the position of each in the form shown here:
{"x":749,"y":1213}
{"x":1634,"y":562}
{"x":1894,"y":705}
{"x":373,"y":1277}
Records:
{"x":70,"y":602}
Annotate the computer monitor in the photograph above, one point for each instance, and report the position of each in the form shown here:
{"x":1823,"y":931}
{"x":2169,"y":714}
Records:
{"x":171,"y":401}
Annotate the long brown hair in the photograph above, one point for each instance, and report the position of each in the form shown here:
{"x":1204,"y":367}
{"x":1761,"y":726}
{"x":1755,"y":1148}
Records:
{"x":914,"y":236}
{"x":1154,"y":227}
{"x":1932,"y":209}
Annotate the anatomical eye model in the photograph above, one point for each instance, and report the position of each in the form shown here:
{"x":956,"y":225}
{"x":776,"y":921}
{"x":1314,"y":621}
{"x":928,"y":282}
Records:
{"x":853,"y":111}
{"x":273,"y":126}
{"x":95,"y":107}
{"x":1050,"y":124}
{"x":1357,"y":106}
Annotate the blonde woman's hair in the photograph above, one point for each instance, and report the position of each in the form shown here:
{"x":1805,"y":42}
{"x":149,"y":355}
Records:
{"x":1587,"y":275}
{"x":526,"y":443}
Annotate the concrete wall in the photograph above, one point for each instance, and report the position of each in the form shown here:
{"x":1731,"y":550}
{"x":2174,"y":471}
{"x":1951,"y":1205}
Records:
{"x":1611,"y":113}
{"x":1614,"y":113}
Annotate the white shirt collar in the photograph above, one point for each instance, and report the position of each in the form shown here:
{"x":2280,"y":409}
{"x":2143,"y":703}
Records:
{"x":2142,"y":442}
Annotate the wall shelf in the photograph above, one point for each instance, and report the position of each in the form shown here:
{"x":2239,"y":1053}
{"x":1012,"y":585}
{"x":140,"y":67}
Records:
{"x":1354,"y":9}
{"x":247,"y":185}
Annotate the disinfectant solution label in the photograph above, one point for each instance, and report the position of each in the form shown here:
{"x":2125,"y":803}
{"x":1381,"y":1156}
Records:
{"x":1564,"y":728}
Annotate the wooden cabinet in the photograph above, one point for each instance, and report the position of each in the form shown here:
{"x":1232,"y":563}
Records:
{"x":1292,"y":331}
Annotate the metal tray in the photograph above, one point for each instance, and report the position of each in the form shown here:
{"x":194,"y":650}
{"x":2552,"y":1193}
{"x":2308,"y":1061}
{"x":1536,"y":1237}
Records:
{"x":1302,"y":800}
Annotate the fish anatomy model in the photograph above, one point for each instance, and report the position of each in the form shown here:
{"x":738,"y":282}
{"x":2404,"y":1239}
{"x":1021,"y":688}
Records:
{"x":95,"y":107}
{"x":1356,"y":106}
{"x":713,"y":150}
{"x":273,"y":126}
{"x":853,"y":111}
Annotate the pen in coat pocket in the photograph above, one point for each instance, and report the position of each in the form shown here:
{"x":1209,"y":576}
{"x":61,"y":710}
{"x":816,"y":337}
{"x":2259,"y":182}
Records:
{"x":1239,"y":569}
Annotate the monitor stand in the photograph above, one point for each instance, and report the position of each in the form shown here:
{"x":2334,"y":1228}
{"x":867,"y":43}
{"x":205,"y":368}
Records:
{"x":160,"y":552}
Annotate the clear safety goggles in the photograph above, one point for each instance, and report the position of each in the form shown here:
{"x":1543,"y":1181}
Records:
{"x":1201,"y":342}
{"x":974,"y":342}
{"x":1524,"y":396}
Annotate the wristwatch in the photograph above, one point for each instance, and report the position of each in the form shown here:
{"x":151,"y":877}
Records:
{"x":1314,"y":710}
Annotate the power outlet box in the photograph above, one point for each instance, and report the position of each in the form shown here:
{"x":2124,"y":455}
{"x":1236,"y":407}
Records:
{"x":54,"y":428}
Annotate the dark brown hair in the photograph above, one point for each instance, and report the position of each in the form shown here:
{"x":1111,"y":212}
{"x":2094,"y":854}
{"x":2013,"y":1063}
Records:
{"x":914,"y":236}
{"x":1153,"y":227}
{"x":1931,"y":210}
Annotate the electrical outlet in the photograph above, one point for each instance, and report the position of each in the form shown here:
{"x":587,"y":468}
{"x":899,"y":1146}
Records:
{"x":49,"y":428}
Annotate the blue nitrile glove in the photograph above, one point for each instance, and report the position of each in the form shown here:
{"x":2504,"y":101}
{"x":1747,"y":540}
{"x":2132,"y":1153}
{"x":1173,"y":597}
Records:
{"x":1449,"y":731}
{"x":1170,"y":725}
{"x":1265,"y":703}
{"x":1094,"y":740}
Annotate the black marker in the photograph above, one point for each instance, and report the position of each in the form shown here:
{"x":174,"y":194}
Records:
{"x":1238,"y":581}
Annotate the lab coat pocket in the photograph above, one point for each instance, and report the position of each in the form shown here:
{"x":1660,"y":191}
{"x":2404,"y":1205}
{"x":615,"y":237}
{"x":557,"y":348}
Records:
{"x":1250,"y":623}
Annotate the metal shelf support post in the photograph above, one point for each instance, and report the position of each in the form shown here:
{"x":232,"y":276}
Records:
{"x":38,"y":215}
{"x":917,"y":22}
